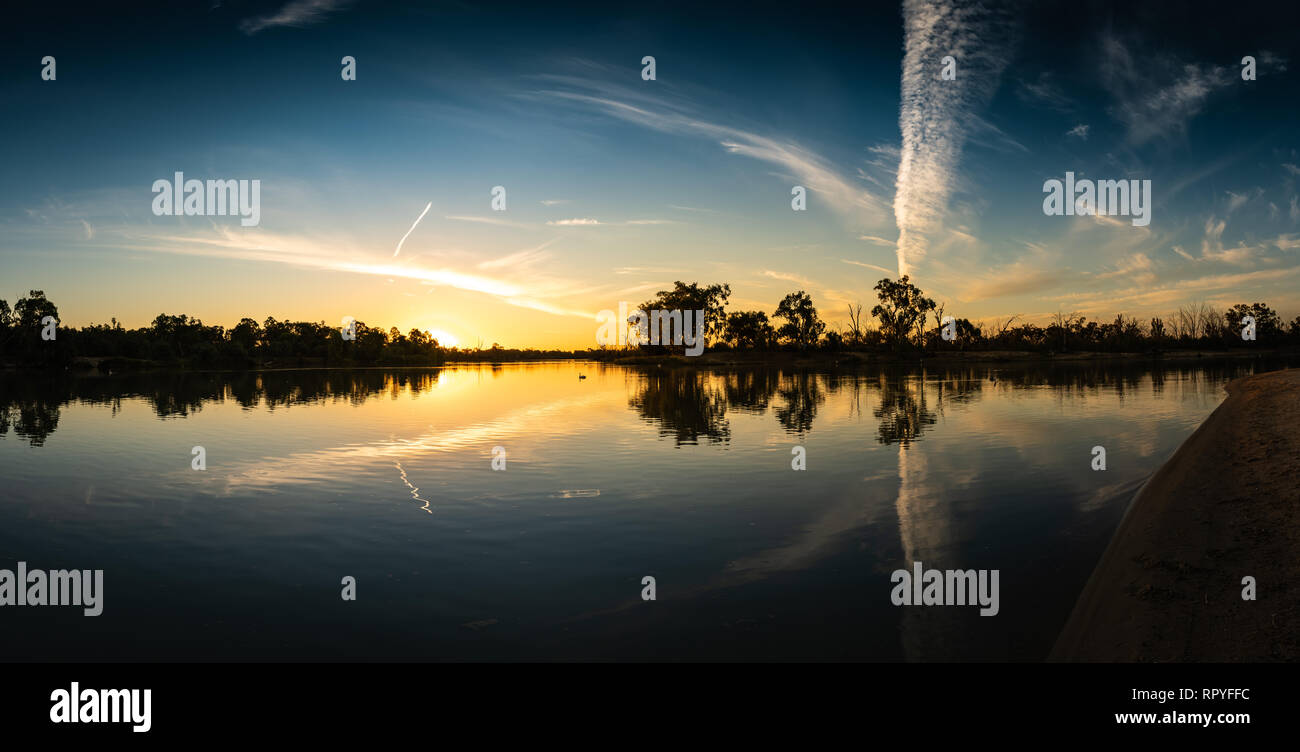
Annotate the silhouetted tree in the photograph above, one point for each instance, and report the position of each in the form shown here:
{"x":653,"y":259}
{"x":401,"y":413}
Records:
{"x":902,"y":306}
{"x":749,"y":330}
{"x":802,"y":328}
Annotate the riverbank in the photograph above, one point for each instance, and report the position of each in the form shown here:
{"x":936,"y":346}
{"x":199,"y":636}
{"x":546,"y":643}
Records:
{"x":821,"y":359}
{"x":1225,"y":506}
{"x":845,"y":358}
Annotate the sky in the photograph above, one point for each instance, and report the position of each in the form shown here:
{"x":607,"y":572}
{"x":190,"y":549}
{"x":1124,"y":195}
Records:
{"x":616,"y":186}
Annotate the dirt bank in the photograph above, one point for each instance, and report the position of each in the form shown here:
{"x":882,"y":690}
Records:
{"x":1224,"y":507}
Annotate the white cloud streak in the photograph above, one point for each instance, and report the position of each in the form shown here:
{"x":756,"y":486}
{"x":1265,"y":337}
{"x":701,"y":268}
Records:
{"x":934,"y":113}
{"x":297,"y":14}
{"x":408,"y":232}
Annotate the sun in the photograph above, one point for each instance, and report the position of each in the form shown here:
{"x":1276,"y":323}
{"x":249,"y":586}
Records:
{"x":445,"y":338}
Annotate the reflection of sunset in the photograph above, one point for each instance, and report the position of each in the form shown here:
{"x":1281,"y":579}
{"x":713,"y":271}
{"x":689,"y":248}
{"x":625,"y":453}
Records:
{"x":676,"y":469}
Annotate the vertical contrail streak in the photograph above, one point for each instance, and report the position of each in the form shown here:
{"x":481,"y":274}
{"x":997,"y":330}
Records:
{"x":935,"y":114}
{"x":408,"y":232}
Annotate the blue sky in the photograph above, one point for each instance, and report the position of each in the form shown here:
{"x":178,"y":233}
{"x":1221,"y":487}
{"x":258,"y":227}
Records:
{"x":616,"y":186}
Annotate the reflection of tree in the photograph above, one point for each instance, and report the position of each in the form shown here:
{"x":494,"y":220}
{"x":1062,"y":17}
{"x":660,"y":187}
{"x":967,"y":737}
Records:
{"x":802,"y":396}
{"x":685,"y":404}
{"x":902,"y":410}
{"x":33,"y":420}
{"x":31,"y":404}
{"x":750,"y":391}
{"x":688,"y":404}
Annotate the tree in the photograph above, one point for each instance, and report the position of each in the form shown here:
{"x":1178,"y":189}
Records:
{"x":6,"y":321}
{"x":749,"y":330}
{"x":29,"y":311}
{"x":683,"y":297}
{"x":1062,"y":323}
{"x":802,"y":327}
{"x":856,"y":328}
{"x":1157,"y":330}
{"x":1268,"y":325}
{"x":902,"y":306}
{"x":246,"y":334}
{"x":24,"y":338}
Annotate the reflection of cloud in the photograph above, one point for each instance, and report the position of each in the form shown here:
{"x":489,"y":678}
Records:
{"x":322,"y":464}
{"x":415,"y":492}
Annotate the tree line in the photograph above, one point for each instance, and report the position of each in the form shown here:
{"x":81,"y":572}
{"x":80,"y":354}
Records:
{"x":185,"y":341}
{"x":906,"y":320}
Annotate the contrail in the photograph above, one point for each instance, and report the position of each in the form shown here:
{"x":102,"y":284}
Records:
{"x":935,"y":114}
{"x":408,"y":232}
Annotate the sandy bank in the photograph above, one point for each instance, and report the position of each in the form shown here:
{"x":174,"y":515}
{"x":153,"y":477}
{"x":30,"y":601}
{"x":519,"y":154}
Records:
{"x":1225,"y":506}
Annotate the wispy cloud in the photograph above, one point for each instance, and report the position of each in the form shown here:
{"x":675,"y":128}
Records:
{"x":1044,"y":91}
{"x":519,"y":259}
{"x":1079,"y":131}
{"x":525,"y":289}
{"x":869,"y":266}
{"x":590,"y":222}
{"x":1155,"y":96}
{"x":487,"y":221}
{"x":577,"y":222}
{"x":810,"y":169}
{"x":934,"y":113}
{"x":787,"y":277}
{"x":1212,"y":245}
{"x":296,"y":14}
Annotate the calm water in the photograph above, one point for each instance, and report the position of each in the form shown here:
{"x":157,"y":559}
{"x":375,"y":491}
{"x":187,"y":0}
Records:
{"x":386,"y":476}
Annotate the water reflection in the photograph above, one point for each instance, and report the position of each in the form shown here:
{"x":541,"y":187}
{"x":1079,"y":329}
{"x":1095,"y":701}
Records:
{"x":902,"y":409}
{"x":976,"y":466}
{"x":688,"y":405}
